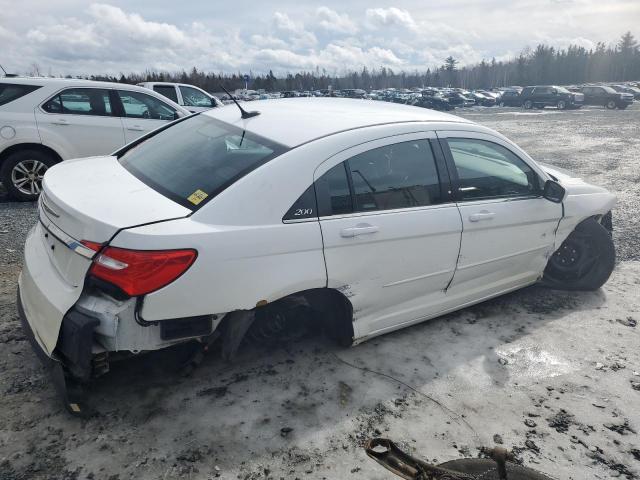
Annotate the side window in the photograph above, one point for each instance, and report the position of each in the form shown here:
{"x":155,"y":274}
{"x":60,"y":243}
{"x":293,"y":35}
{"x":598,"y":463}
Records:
{"x":80,"y":101}
{"x":334,"y":194}
{"x":192,"y":97}
{"x":168,"y":91}
{"x":12,"y":91}
{"x":305,"y":206}
{"x":141,"y":105}
{"x":488,"y":170}
{"x":395,"y":176}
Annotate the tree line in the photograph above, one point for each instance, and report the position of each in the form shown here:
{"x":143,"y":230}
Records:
{"x":542,"y":65}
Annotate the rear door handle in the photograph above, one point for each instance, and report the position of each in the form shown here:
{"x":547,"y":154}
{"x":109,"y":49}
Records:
{"x":136,"y":128}
{"x":360,"y":229}
{"x":480,"y":216}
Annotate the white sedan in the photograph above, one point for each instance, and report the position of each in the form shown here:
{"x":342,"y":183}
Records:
{"x":375,"y":216}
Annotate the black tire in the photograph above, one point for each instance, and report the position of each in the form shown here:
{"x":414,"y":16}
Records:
{"x":611,"y":105}
{"x":528,"y":104}
{"x":501,"y":104}
{"x":21,"y":173}
{"x":584,"y":261}
{"x":561,"y":105}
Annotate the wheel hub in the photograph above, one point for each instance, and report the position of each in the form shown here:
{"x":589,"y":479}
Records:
{"x":27,"y":176}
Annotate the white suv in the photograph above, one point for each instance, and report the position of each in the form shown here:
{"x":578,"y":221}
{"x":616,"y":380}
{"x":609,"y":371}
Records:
{"x":44,"y":121}
{"x":192,"y":98}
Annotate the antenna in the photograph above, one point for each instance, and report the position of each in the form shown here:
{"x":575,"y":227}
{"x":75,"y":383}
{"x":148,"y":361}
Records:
{"x":7,"y":74}
{"x":244,"y":113}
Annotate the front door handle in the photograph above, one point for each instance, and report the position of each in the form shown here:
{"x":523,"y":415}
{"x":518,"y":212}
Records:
{"x":136,"y":128}
{"x":60,"y":121}
{"x":359,"y":229}
{"x":480,"y":216}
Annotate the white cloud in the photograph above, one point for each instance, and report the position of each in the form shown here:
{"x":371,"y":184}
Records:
{"x":294,"y":33}
{"x":332,"y":21}
{"x":72,"y":37}
{"x":390,"y":17}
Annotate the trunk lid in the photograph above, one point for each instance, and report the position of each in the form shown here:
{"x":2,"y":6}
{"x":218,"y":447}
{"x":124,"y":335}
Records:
{"x":92,"y":199}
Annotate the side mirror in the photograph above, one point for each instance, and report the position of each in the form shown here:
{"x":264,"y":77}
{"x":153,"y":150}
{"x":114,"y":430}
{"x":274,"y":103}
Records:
{"x":553,"y":191}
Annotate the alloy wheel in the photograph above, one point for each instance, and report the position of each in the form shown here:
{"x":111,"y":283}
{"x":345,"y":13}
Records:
{"x":27,"y":176}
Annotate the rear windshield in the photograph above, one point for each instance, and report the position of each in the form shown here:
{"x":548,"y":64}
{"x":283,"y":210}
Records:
{"x":12,"y":91}
{"x":194,"y":160}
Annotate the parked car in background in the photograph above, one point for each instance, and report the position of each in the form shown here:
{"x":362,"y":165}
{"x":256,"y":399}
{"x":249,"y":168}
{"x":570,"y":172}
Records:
{"x":353,"y":93}
{"x":457,"y":99}
{"x":482,"y":99}
{"x":606,"y":97}
{"x":192,"y":98}
{"x":46,"y":120}
{"x":375,"y":216}
{"x":432,"y":100}
{"x":510,"y":98}
{"x":550,"y":96}
{"x":635,"y":91}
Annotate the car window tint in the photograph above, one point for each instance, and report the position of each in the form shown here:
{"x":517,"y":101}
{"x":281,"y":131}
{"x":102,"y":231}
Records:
{"x":168,"y":91}
{"x":488,"y":170}
{"x":80,"y":101}
{"x":10,"y":91}
{"x":334,"y":194}
{"x":194,"y":98}
{"x":195,"y":159}
{"x":395,"y":176}
{"x":141,"y":105}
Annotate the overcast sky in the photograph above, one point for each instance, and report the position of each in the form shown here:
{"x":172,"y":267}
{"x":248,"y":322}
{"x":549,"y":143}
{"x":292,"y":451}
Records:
{"x":81,"y":37}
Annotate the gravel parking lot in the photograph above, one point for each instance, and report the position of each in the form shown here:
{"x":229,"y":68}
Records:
{"x":553,"y":375}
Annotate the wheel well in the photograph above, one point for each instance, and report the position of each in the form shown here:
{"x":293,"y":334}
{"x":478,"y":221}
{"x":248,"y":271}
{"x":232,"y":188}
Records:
{"x":28,"y":146}
{"x":330,"y":310}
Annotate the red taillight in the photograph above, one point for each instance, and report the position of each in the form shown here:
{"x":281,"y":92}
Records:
{"x":138,"y":272}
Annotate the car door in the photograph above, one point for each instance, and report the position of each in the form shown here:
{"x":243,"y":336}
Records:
{"x":600,"y":96}
{"x":143,"y":113}
{"x":80,"y":121}
{"x":508,"y":227}
{"x":543,"y":96}
{"x":391,"y":235}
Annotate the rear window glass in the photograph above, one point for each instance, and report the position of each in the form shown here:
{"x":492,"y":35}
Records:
{"x":168,"y":91}
{"x":195,"y":159}
{"x":11,"y":91}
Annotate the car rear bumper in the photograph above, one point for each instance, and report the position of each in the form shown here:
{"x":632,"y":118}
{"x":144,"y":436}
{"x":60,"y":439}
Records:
{"x":26,"y":328}
{"x":44,"y":296}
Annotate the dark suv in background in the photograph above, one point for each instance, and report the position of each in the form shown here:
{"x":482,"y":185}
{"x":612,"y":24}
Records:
{"x":606,"y":96}
{"x":541,"y":96}
{"x":510,"y":98}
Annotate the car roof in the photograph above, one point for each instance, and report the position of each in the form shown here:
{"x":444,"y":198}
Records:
{"x":61,"y":82}
{"x":294,"y":121}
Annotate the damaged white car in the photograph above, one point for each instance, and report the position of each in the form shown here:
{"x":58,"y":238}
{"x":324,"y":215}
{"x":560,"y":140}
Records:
{"x":374,"y":216}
